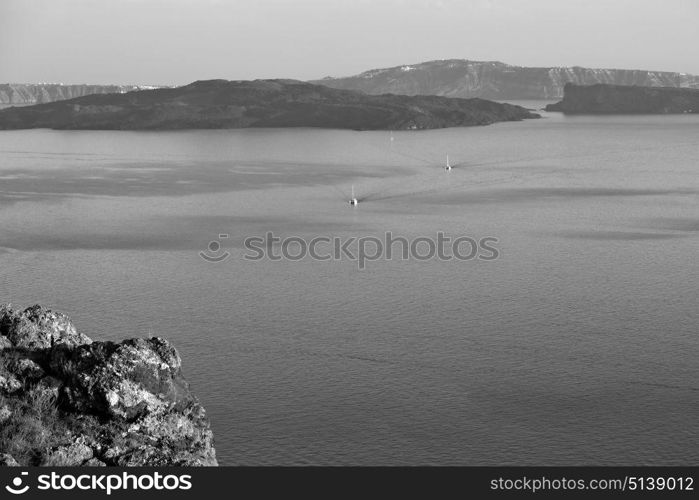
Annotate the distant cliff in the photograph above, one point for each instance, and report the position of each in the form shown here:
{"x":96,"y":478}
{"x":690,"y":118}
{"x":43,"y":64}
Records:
{"x":610,"y":99}
{"x":66,"y":400}
{"x":449,"y":78}
{"x":496,"y":80}
{"x":261,"y":103}
{"x":22,"y":94}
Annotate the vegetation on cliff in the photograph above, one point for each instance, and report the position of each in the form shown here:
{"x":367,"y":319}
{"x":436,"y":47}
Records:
{"x":67,"y":400}
{"x":215,"y":104}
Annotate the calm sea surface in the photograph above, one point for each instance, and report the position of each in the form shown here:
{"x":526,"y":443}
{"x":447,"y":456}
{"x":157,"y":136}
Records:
{"x":579,"y":345}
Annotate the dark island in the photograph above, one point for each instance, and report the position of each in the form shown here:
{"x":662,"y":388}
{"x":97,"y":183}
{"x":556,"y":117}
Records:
{"x":66,"y":400}
{"x":620,"y":99}
{"x":222,"y":104}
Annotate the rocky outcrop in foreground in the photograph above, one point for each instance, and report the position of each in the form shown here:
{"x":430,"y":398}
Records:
{"x":220,"y":104}
{"x":618,"y":99}
{"x":67,"y":400}
{"x":23,"y":94}
{"x":496,"y":80}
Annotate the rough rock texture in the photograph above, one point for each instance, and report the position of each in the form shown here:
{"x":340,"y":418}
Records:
{"x":496,"y":80}
{"x":22,"y":94}
{"x":67,"y":400}
{"x":36,"y":328}
{"x":610,"y":99}
{"x":215,"y":104}
{"x":7,"y":461}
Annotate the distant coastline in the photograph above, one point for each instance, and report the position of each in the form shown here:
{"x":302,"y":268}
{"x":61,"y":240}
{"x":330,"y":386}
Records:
{"x":461,"y":78}
{"x":497,"y":80}
{"x":26,"y":94}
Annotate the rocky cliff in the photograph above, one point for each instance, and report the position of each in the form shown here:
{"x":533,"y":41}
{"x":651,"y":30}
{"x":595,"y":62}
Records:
{"x":259,"y":103}
{"x":618,"y":99}
{"x":68,"y":400}
{"x":496,"y":80}
{"x":22,"y":94}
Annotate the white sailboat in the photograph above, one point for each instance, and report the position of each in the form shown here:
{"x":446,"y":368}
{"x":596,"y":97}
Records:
{"x":353,"y":200}
{"x":447,"y":167}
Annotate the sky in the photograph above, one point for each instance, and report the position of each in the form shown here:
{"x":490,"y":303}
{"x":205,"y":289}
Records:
{"x":172,"y":42}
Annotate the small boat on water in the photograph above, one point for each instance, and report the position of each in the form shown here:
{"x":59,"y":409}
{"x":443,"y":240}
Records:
{"x":353,"y":200}
{"x":447,"y":167}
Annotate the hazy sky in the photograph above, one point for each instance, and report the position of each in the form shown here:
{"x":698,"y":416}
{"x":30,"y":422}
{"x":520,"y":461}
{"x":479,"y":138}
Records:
{"x":178,"y":41}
